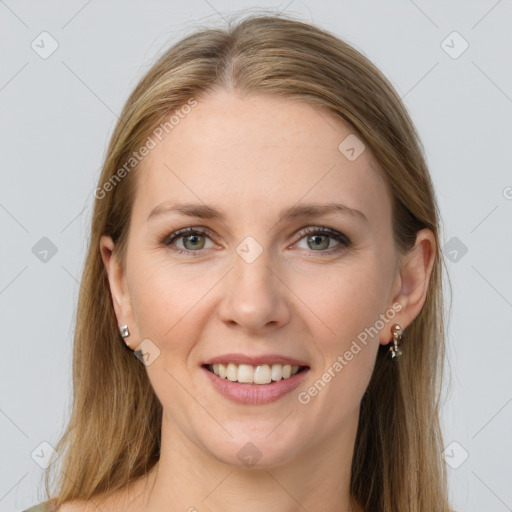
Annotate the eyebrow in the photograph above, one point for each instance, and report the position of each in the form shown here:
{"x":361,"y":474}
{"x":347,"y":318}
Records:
{"x":204,"y":211}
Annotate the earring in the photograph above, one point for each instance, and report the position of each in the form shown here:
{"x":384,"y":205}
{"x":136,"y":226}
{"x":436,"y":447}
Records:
{"x":125,"y":332}
{"x":394,"y":350}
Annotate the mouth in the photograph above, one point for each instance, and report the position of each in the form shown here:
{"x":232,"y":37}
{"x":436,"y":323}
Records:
{"x":254,"y":380}
{"x":260,"y":374}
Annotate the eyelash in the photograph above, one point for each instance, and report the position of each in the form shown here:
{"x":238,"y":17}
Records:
{"x":339,"y":237}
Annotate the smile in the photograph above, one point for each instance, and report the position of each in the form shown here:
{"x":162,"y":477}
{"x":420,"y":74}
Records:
{"x":254,"y":374}
{"x":254,"y":380}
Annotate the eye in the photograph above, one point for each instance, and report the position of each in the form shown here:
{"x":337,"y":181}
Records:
{"x":318,"y":239}
{"x":191,"y":240}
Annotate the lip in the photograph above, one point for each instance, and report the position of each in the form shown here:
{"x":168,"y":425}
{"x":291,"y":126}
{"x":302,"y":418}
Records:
{"x":254,"y":394}
{"x":256,"y":360}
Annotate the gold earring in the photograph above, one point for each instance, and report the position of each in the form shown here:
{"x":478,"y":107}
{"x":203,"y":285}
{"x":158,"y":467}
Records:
{"x":394,"y":350}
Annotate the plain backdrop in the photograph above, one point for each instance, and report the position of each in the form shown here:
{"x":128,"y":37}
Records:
{"x":66,"y":70}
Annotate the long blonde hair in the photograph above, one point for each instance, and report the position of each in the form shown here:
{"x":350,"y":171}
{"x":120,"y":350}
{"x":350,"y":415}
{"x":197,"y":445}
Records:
{"x":113,"y":435}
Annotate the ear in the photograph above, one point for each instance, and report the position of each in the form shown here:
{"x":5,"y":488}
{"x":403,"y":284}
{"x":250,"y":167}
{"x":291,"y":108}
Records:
{"x":413,"y":281}
{"x":118,"y":284}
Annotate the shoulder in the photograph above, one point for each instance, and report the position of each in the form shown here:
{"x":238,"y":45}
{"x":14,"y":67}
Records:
{"x":41,"y":507}
{"x":128,"y":499}
{"x":76,"y":506}
{"x":73,"y":506}
{"x":82,"y":505}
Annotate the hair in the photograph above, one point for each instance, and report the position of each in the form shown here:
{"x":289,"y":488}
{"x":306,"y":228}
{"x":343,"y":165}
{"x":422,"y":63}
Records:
{"x":113,"y":434}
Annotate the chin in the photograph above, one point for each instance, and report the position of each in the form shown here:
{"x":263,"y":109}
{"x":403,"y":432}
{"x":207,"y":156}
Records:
{"x":256,"y":452}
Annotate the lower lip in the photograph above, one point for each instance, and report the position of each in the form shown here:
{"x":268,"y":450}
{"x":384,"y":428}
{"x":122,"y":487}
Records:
{"x":255,"y":393}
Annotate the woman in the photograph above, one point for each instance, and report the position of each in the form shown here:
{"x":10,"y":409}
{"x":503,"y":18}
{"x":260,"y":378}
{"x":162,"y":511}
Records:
{"x":260,"y":317}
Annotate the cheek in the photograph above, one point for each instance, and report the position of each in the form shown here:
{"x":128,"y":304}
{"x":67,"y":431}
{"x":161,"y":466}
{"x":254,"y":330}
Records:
{"x":165,"y":297}
{"x":354,"y":307}
{"x":348,"y":302}
{"x":345,"y":299}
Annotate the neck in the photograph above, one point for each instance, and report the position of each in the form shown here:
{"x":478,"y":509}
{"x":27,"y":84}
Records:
{"x":187,"y":478}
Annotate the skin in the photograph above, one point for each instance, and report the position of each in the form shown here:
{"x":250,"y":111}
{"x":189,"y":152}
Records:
{"x":251,"y":157}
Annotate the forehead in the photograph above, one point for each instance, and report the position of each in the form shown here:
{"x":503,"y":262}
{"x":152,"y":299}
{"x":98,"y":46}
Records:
{"x":260,"y":153}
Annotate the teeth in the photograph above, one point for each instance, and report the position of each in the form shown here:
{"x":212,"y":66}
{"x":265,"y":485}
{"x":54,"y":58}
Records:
{"x":277,"y":372}
{"x":262,"y":374}
{"x":232,"y":373}
{"x":246,"y":373}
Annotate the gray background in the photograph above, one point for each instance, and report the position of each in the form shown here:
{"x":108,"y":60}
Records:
{"x":57,"y":116}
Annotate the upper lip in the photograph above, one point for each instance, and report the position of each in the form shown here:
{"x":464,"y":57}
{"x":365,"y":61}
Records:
{"x":256,"y":360}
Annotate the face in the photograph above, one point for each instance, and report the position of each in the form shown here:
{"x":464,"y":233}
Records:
{"x":262,"y":284}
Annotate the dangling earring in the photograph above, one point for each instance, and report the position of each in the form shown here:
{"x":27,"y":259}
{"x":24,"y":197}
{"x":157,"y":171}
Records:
{"x":394,"y":350}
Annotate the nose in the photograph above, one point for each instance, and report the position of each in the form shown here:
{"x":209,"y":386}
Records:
{"x":254,"y":296}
